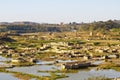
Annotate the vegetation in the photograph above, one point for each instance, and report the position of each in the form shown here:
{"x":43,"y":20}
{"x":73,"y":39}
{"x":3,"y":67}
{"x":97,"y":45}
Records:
{"x":27,"y":27}
{"x":23,"y":64}
{"x":53,"y":76}
{"x":26,"y":76}
{"x":110,"y":65}
{"x":26,"y":43}
{"x":59,"y":71}
{"x":23,"y":75}
{"x":98,"y":78}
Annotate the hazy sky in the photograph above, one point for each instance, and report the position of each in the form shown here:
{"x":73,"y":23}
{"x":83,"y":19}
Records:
{"x":55,"y":11}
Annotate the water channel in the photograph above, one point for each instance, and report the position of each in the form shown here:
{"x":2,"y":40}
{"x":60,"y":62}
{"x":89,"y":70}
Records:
{"x":81,"y":75}
{"x":6,"y":76}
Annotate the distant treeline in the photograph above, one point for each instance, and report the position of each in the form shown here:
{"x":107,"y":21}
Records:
{"x":35,"y":27}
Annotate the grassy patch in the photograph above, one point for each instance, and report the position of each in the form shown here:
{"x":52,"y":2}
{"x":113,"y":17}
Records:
{"x":23,"y":64}
{"x":59,"y":71}
{"x":110,"y":65}
{"x":99,"y":78}
{"x":25,"y":76}
{"x":54,"y":76}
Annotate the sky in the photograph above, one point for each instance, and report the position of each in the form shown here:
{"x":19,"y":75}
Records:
{"x":56,"y":11}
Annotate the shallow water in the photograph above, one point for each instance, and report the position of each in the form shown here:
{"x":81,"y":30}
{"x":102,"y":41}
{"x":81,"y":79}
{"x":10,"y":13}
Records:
{"x":84,"y":75}
{"x":34,"y":69}
{"x":98,"y":62}
{"x":81,"y":75}
{"x":6,"y":76}
{"x":4,"y":59}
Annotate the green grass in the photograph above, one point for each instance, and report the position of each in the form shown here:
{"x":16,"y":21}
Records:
{"x":23,"y":64}
{"x":59,"y":71}
{"x":110,"y":65}
{"x":24,"y":76}
{"x":54,"y":76}
{"x":99,"y":78}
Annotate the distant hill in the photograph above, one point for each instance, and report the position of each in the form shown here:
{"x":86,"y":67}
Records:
{"x":117,"y":21}
{"x":28,"y":27}
{"x":19,"y":23}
